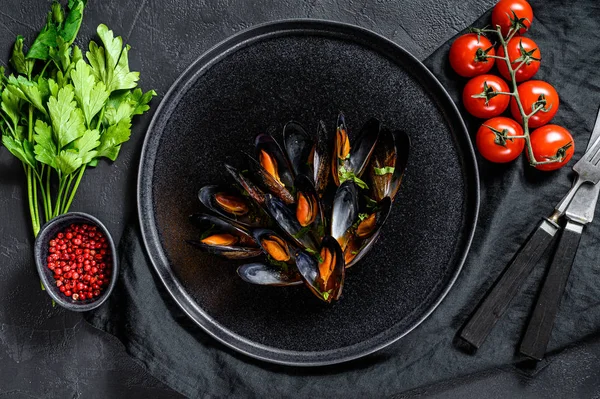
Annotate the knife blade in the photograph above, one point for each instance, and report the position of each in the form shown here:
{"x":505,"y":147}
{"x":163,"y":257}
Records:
{"x":583,"y":206}
{"x":579,"y":213}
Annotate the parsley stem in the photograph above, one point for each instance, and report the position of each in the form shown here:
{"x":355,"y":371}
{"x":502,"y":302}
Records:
{"x":61,"y":187}
{"x":74,"y":189}
{"x":48,"y":193}
{"x":40,"y":179}
{"x":31,"y":186}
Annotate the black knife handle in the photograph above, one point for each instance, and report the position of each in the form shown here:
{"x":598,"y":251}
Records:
{"x":498,"y":298}
{"x":540,"y":325}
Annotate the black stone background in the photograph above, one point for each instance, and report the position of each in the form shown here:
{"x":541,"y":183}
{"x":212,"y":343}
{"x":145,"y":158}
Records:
{"x":46,"y":352}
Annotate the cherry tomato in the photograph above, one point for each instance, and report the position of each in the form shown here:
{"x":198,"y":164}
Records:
{"x":552,"y":142}
{"x":467,"y":55}
{"x":487,"y":103}
{"x":502,"y":15}
{"x":494,"y":143}
{"x":520,"y":49}
{"x":536,"y":93}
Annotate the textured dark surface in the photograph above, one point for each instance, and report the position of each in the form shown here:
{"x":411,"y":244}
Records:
{"x":46,"y":352}
{"x":306,"y":76}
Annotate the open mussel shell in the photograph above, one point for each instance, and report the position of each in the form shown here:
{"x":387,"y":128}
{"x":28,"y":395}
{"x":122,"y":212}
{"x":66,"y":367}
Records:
{"x":231,"y":205}
{"x":272,"y":158}
{"x":344,"y":211}
{"x":223,"y":238}
{"x":323,"y":274}
{"x":286,"y":220}
{"x":261,"y":274}
{"x":274,"y":245}
{"x":299,"y":147}
{"x":272,"y":185}
{"x":321,"y":160}
{"x":247,"y":185}
{"x":353,"y":158}
{"x":388,"y":163}
{"x":309,"y":211}
{"x":360,"y":239}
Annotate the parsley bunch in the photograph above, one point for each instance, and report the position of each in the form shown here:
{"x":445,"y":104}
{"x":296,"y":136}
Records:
{"x":61,"y":112}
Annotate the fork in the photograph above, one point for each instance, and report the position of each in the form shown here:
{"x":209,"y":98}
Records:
{"x":496,"y":302}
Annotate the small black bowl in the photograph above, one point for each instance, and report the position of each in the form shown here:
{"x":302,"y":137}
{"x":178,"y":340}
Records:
{"x":48,"y":232}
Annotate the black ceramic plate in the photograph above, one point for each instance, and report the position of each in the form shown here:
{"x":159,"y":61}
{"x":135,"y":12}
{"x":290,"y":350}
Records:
{"x":309,"y":70}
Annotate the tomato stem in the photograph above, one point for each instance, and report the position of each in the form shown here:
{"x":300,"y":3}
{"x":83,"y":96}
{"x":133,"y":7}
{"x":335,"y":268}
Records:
{"x":515,"y":93}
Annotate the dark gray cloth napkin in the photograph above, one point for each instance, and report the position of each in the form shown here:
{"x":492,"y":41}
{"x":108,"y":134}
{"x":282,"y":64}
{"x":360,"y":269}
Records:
{"x":513,"y":199}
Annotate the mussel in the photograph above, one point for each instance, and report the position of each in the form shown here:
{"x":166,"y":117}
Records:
{"x":231,"y":205}
{"x":361,"y":236}
{"x":321,"y":160}
{"x":271,"y":181}
{"x":286,"y":220}
{"x":299,"y":147}
{"x":323,"y":274}
{"x":388,"y":163}
{"x":344,"y":212}
{"x":350,"y":161}
{"x":274,"y":246}
{"x":223,"y":238}
{"x":309,"y":211}
{"x":285,"y":212}
{"x":261,"y":274}
{"x":246,"y":184}
{"x":273,"y":160}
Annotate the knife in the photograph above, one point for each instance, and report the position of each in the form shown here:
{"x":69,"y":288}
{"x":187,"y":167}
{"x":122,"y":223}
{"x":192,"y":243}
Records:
{"x":490,"y":310}
{"x":579,"y":213}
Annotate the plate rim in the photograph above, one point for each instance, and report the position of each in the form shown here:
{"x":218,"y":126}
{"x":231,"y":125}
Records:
{"x":147,"y":220}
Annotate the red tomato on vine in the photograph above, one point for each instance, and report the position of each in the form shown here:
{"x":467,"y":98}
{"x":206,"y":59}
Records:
{"x":516,"y":14}
{"x":524,"y":54}
{"x":468,"y":55}
{"x":552,"y":143}
{"x":494,"y":140}
{"x":536,"y":94}
{"x":481,"y":99}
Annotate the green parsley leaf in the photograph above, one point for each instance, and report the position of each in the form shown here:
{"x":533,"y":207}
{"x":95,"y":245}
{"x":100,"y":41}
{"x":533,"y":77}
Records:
{"x":384,"y":171}
{"x":68,"y":161}
{"x":67,"y":119}
{"x":86,"y":145}
{"x":73,"y":21}
{"x":90,"y":95}
{"x":325,"y":295}
{"x":11,"y":105}
{"x":53,"y":87}
{"x":362,"y":216}
{"x":112,"y":138}
{"x":27,"y":90}
{"x":17,"y":59}
{"x":123,"y":78}
{"x":43,"y":42}
{"x":19,"y":149}
{"x":110,"y":63}
{"x":45,"y":148}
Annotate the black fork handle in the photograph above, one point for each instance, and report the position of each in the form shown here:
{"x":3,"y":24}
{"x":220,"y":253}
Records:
{"x":498,"y":298}
{"x":539,"y":329}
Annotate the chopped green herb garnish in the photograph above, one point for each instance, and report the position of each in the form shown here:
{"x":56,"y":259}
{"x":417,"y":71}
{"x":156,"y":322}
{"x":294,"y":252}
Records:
{"x":207,"y":232}
{"x":278,"y":263}
{"x":354,"y":252}
{"x":384,"y":171}
{"x":344,"y":174}
{"x":326,"y":295}
{"x":362,"y":216}
{"x":315,"y":254}
{"x":302,"y":232}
